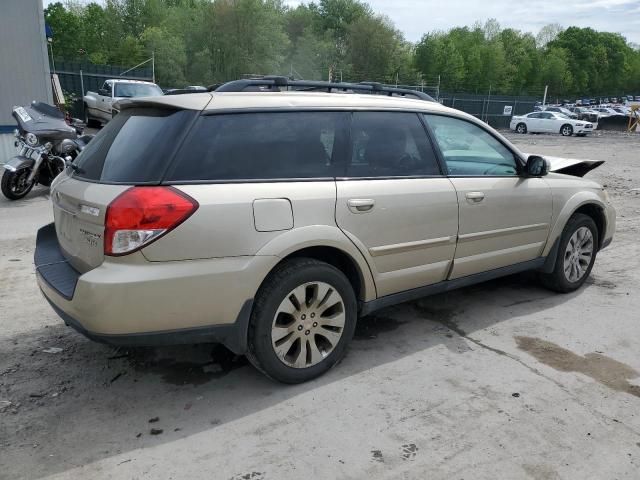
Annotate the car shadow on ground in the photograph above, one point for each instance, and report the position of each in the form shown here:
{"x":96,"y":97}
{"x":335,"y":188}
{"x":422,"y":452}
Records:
{"x":93,"y":401}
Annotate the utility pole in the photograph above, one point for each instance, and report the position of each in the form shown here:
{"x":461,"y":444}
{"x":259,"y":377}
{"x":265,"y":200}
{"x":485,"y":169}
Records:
{"x":153,"y":66}
{"x":486,"y":116}
{"x":544,"y":99}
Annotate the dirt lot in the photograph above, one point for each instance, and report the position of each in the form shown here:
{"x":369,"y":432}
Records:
{"x":500,"y":381}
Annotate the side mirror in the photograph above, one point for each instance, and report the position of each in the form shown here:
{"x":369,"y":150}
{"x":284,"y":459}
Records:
{"x":536,"y":166}
{"x":104,"y":92}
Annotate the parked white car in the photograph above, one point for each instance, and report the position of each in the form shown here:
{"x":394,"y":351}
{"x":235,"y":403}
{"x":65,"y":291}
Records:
{"x":98,"y":106}
{"x":606,"y":111}
{"x":550,"y":122}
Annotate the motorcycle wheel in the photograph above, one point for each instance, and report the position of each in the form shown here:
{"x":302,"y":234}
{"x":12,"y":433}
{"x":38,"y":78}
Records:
{"x":15,"y":185}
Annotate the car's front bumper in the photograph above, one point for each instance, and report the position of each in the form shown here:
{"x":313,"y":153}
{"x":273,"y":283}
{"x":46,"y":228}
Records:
{"x":610,"y":215}
{"x":583,"y":130}
{"x":125,"y":302}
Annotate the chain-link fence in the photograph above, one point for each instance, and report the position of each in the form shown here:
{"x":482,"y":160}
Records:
{"x":495,"y":110}
{"x":77,"y":78}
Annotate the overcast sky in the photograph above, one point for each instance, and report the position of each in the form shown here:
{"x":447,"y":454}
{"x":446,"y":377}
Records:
{"x":415,"y":17}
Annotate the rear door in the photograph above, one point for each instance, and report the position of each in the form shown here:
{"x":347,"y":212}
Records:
{"x":395,"y":204}
{"x":504,"y":217}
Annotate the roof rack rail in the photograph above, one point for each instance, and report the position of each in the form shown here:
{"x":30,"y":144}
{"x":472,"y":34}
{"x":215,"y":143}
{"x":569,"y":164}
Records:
{"x":277,"y":83}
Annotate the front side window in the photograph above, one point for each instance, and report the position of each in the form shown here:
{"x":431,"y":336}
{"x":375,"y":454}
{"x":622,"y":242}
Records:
{"x":469,"y":150}
{"x":261,"y":146}
{"x":390,"y":144}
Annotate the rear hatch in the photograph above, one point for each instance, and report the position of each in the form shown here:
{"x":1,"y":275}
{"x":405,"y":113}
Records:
{"x":135,"y":148}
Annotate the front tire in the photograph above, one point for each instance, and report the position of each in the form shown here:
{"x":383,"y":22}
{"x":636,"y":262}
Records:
{"x":303,"y":319}
{"x":566,"y":130}
{"x":15,"y":185}
{"x":576,"y":255}
{"x":521,"y":128}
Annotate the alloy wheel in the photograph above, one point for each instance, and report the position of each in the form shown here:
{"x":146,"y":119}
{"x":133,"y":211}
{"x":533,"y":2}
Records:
{"x":578,"y":254}
{"x":308,"y":324}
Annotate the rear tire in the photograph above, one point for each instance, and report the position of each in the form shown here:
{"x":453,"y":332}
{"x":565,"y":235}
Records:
{"x":576,"y":255}
{"x":521,"y":128}
{"x":303,"y":319}
{"x":14,"y":184}
{"x":566,"y":130}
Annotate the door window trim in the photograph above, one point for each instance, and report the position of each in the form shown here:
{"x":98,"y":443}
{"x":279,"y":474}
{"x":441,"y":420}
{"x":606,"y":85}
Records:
{"x":349,"y":149}
{"x":520,"y":164}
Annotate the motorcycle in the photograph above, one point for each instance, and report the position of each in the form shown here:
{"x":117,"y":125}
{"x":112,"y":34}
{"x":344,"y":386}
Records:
{"x":46,"y":145}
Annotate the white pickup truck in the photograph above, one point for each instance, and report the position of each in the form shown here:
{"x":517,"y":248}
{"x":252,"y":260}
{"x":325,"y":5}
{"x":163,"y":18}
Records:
{"x":98,"y":107}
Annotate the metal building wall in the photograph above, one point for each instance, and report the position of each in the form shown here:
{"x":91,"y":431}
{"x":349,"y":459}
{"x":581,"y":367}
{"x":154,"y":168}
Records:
{"x":24,"y":64}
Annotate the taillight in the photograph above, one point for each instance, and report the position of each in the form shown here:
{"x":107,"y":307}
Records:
{"x":141,"y":215}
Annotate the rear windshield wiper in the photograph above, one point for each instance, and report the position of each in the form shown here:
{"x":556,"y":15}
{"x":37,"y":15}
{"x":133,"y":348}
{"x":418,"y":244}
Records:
{"x":76,"y":168}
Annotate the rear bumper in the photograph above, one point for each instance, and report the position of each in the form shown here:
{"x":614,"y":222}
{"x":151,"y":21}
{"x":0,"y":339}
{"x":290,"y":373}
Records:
{"x":232,"y":336}
{"x":130,"y":301}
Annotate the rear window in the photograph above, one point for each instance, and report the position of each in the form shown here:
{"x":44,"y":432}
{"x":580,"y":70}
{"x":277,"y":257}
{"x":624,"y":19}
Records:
{"x":134,"y":147}
{"x":261,"y":146}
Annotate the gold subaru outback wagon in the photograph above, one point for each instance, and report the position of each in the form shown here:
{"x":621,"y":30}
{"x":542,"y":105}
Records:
{"x":270,"y":220}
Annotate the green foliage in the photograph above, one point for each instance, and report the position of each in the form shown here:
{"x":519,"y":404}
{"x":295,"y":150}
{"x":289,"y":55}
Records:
{"x":209,"y":41}
{"x":575,"y":61}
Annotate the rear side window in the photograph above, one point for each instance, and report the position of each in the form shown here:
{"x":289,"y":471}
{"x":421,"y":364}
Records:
{"x":261,"y":146}
{"x":134,"y":147}
{"x":390,"y":144}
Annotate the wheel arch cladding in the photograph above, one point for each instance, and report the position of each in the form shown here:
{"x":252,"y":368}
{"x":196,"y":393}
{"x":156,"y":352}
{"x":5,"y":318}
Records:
{"x":596,"y":212}
{"x":337,"y":258}
{"x":582,"y":202}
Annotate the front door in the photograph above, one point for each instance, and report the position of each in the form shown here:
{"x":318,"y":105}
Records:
{"x":504,"y":217}
{"x":394,"y":203}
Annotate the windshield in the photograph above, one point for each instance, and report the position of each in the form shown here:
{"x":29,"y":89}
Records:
{"x":128,"y":90}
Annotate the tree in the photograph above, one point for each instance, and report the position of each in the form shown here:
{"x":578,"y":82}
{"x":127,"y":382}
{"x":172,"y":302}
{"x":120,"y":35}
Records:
{"x":556,"y":72}
{"x":372,"y":46}
{"x":548,"y":33}
{"x":210,"y":41}
{"x":169,"y":53}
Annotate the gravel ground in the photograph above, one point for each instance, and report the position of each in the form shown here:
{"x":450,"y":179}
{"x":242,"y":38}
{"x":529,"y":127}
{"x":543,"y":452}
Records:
{"x":500,"y":380}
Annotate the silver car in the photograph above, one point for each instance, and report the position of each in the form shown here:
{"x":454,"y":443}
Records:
{"x":270,"y":222}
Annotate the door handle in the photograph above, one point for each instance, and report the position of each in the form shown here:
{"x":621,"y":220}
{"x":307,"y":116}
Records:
{"x":361,"y":205}
{"x":475,"y":197}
